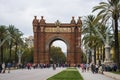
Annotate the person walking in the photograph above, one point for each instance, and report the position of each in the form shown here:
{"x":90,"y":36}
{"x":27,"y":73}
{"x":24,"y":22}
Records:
{"x":93,"y":68}
{"x":96,"y":68}
{"x":9,"y":66}
{"x":100,"y":70}
{"x":54,"y":66}
{"x":87,"y":66}
{"x":3,"y":67}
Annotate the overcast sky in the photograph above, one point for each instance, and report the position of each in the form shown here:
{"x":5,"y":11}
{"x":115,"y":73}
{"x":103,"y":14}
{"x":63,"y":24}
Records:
{"x":20,"y":13}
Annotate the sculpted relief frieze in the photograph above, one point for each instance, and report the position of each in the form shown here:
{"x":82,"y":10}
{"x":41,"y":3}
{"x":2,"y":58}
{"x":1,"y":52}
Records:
{"x":57,"y":29}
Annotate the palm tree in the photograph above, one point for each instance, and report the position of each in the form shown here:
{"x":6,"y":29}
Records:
{"x":88,"y":30}
{"x":17,"y":40}
{"x":108,"y":10}
{"x":14,"y":41}
{"x":2,"y":36}
{"x":90,"y":37}
{"x":11,"y":30}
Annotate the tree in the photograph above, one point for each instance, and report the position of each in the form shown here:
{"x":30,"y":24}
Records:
{"x":57,"y":55}
{"x":11,"y":30}
{"x":9,"y":36}
{"x":2,"y":36}
{"x":17,"y":40}
{"x":90,"y":38}
{"x":108,"y":10}
{"x":119,"y":39}
{"x":88,"y":30}
{"x":27,"y":55}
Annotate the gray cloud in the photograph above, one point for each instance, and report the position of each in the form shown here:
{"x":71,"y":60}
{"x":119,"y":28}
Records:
{"x":21,"y":12}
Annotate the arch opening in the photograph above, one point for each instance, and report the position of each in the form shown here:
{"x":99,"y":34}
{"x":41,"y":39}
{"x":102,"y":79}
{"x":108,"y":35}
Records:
{"x":58,"y":51}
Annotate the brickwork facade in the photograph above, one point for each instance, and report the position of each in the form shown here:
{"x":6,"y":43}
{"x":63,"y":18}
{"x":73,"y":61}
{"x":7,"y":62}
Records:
{"x":46,"y":33}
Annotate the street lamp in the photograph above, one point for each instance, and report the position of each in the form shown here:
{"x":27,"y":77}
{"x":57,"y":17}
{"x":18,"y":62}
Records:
{"x":19,"y":53}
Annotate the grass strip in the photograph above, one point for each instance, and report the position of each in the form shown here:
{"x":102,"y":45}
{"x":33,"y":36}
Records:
{"x":116,"y":72}
{"x":68,"y":74}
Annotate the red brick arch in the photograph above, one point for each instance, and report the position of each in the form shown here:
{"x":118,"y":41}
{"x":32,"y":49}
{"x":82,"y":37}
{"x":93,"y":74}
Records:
{"x":52,"y":39}
{"x":46,"y":33}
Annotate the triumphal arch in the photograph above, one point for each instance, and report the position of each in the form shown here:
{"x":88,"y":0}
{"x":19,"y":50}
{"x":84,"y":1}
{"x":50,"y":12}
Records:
{"x":46,"y":33}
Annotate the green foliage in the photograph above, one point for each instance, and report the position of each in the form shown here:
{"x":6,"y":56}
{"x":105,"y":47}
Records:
{"x":57,"y":55}
{"x":115,"y":72}
{"x":119,"y":38}
{"x":27,"y":55}
{"x":91,"y":38}
{"x":8,"y":50}
{"x":110,"y":10}
{"x":84,"y":58}
{"x":68,"y":74}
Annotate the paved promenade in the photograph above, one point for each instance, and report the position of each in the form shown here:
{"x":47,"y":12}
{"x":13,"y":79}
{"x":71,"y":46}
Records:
{"x":33,"y":74}
{"x":112,"y":75}
{"x":43,"y":74}
{"x":90,"y":76}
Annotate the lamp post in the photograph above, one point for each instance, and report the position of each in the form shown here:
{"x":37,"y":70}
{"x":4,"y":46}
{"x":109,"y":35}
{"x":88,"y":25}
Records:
{"x":19,"y":53}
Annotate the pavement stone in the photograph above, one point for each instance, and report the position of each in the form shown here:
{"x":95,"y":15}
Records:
{"x":112,"y":75}
{"x":33,"y":74}
{"x":88,"y":75}
{"x":44,"y":74}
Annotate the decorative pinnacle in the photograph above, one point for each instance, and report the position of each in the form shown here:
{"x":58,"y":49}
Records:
{"x":79,"y":17}
{"x":57,"y":23}
{"x":72,"y":17}
{"x":41,"y":17}
{"x":35,"y":17}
